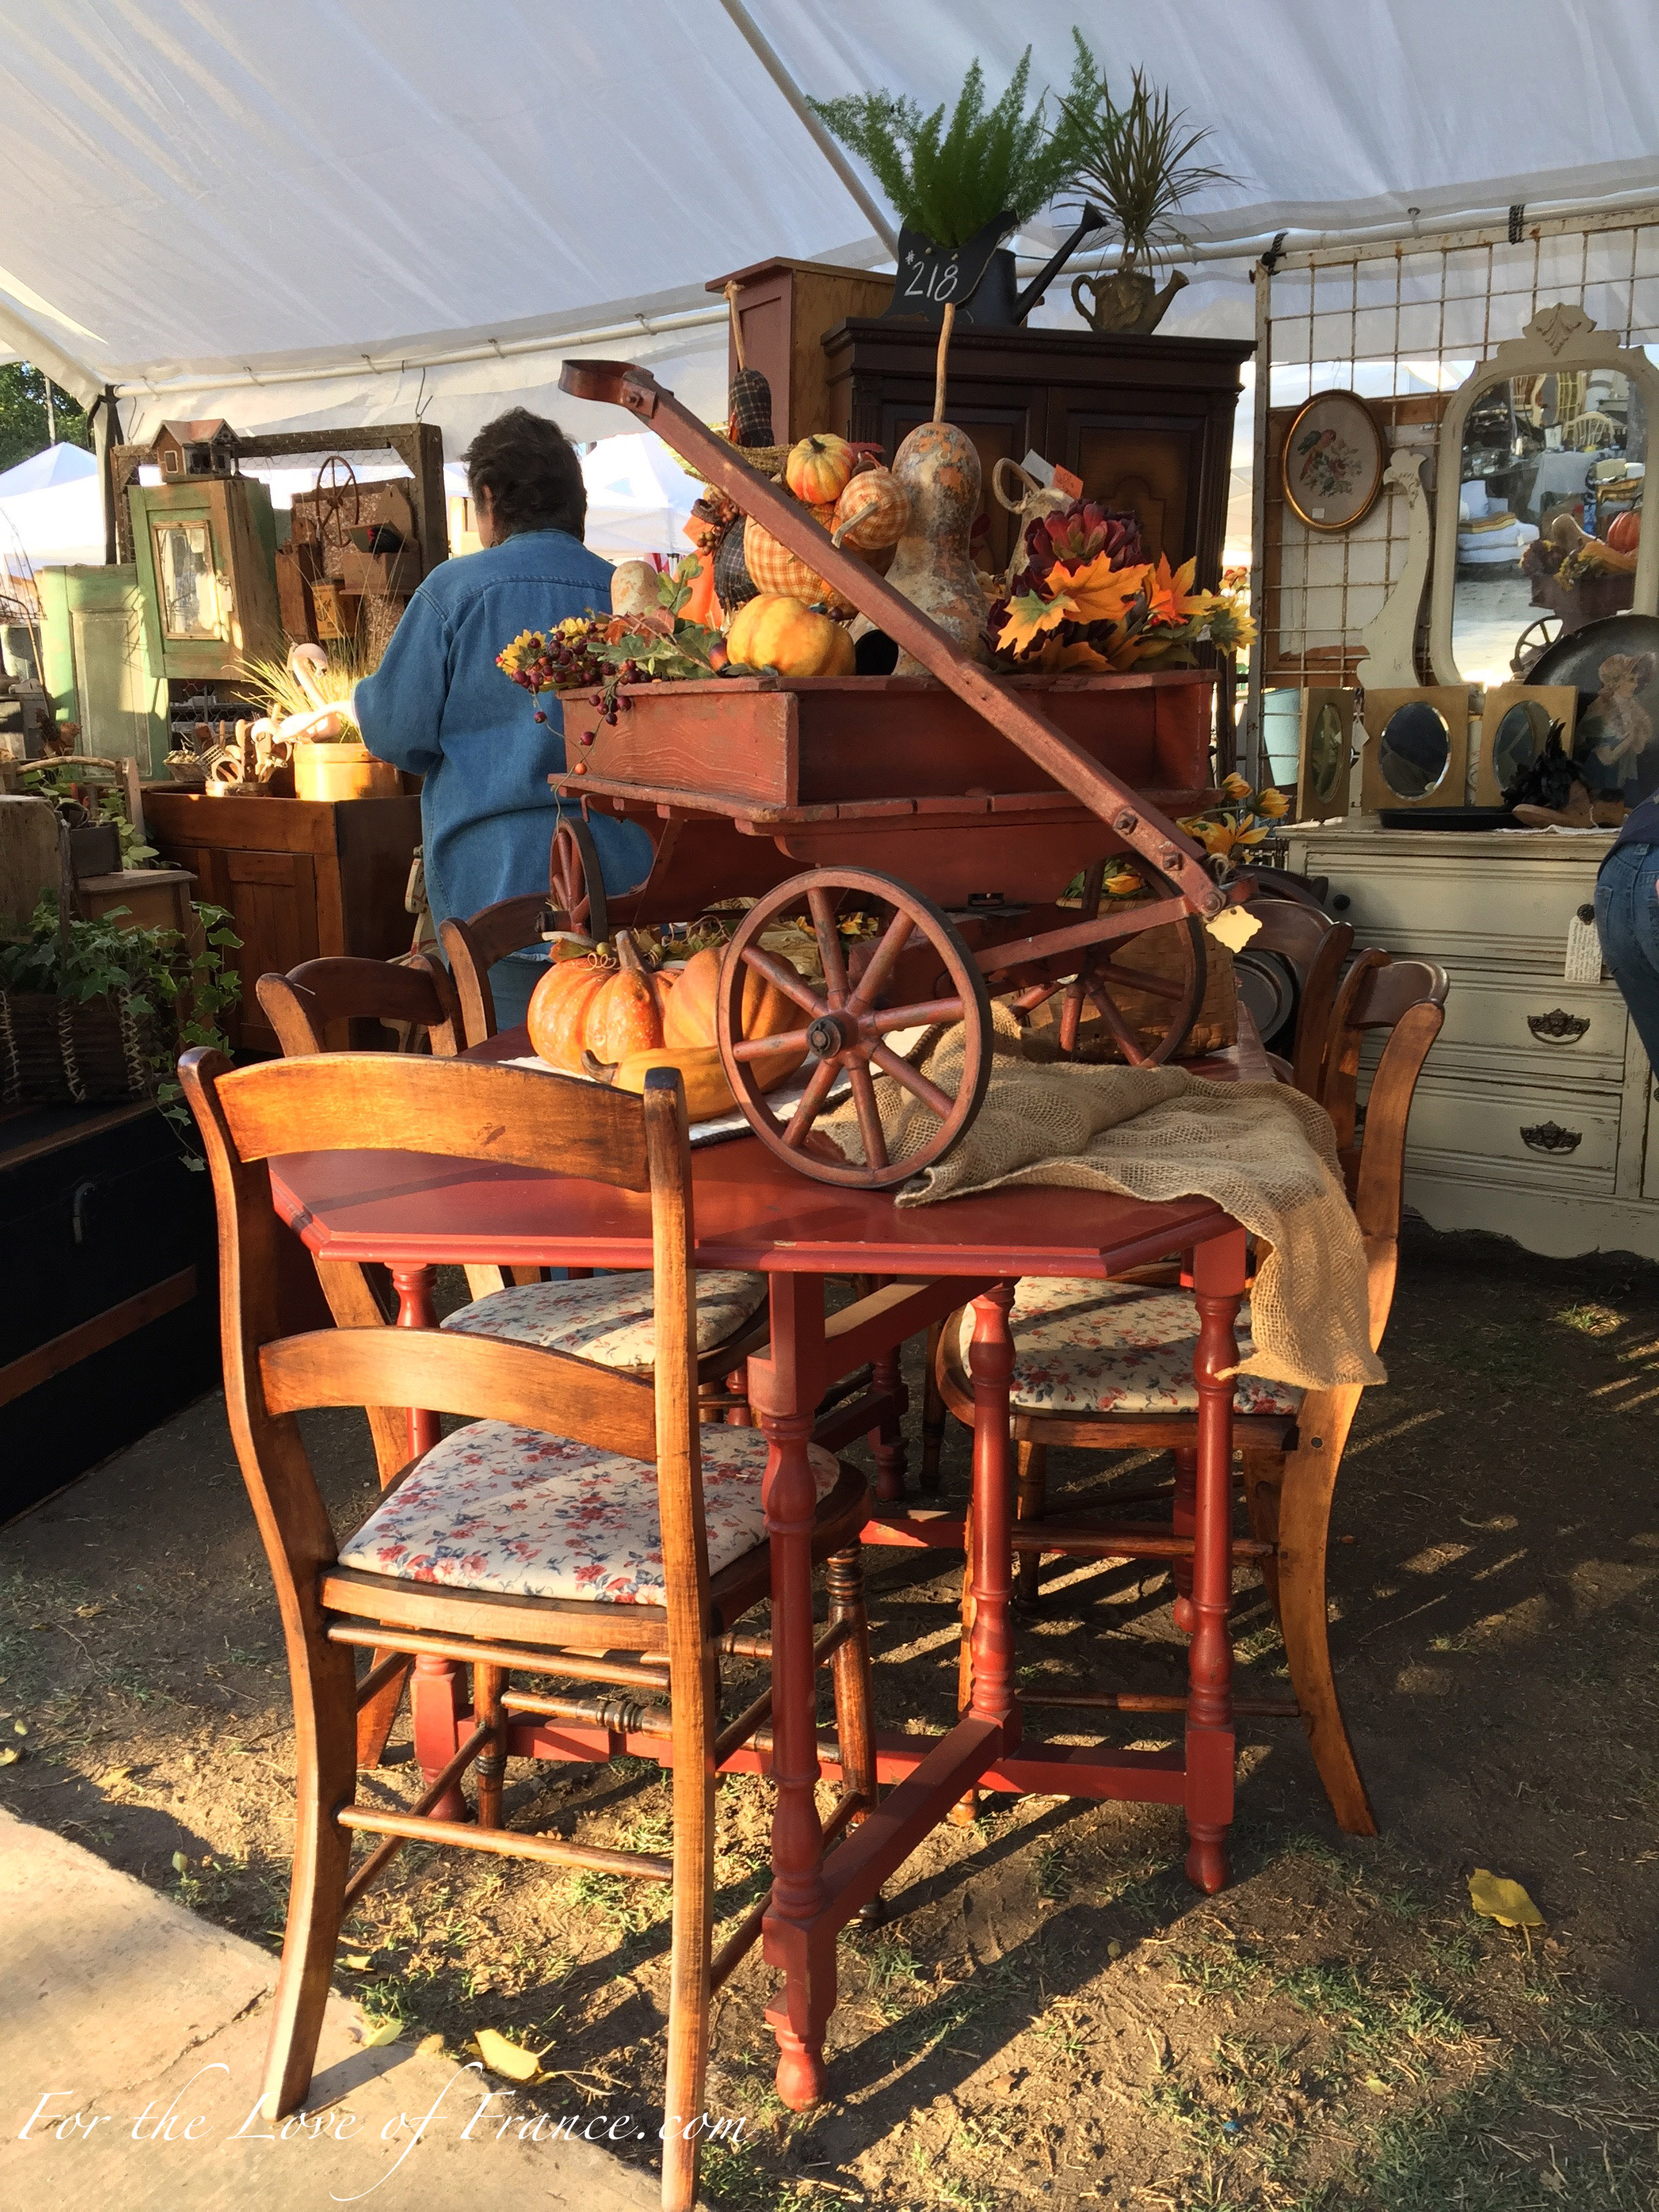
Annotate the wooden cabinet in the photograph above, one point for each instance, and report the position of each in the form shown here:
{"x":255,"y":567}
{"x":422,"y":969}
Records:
{"x":205,"y":555}
{"x":784,"y":308}
{"x":299,"y":878}
{"x":1146,"y":423}
{"x":1535,"y":1116}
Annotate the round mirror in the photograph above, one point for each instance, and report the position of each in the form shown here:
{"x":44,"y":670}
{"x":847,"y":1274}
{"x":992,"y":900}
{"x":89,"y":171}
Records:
{"x":1519,"y":742}
{"x":1414,"y":750}
{"x":1327,"y":755}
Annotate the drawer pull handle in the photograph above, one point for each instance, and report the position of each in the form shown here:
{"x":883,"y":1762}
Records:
{"x":1551,"y":1137}
{"x":1559,"y":1025}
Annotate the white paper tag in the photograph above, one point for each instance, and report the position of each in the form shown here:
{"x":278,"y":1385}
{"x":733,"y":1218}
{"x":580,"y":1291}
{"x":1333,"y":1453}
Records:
{"x":1584,"y":953}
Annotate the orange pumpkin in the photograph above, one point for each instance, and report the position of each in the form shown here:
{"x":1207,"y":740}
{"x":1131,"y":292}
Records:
{"x":608,"y":1008}
{"x":818,"y":468}
{"x":774,"y":568}
{"x":871,"y":513}
{"x":778,"y":631}
{"x":1624,"y":530}
{"x":690,"y":1020}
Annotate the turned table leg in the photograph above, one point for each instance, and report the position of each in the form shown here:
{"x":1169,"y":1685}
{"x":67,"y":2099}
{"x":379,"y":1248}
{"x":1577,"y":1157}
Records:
{"x":783,"y":1389}
{"x":1219,"y":1285}
{"x":991,"y":1364}
{"x":435,"y":1685}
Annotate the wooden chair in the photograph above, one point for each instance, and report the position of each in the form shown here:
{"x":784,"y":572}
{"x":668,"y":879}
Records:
{"x":472,"y":948}
{"x":613,"y":1483}
{"x":1290,"y":1443}
{"x":312,"y":1006}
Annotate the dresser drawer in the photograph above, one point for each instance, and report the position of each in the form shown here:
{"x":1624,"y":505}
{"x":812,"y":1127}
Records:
{"x":1563,"y":1139}
{"x":1461,"y":908}
{"x":1541,"y":1030}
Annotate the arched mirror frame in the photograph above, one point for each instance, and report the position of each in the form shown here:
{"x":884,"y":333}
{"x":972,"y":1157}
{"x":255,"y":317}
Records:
{"x":1556,"y":337}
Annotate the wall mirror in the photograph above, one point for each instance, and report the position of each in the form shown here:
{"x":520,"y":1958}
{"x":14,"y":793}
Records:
{"x":1515,"y":721}
{"x":1543,"y":449}
{"x":1418,"y":747}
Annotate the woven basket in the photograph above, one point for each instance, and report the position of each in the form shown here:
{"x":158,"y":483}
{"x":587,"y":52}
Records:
{"x":68,"y":1052}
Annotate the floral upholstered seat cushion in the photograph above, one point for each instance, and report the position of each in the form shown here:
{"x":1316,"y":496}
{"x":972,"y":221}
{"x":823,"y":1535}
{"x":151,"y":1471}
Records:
{"x":498,"y":1508}
{"x":1088,"y":1348}
{"x":610,"y":1319}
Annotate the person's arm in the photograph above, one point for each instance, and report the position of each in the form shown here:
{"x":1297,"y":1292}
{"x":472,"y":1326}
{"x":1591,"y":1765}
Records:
{"x":399,"y":708}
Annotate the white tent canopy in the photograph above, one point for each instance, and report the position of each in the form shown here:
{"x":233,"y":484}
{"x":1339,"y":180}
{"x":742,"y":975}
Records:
{"x":339,"y":211}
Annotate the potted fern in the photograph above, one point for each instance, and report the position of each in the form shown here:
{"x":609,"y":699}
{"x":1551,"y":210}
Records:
{"x":974,"y":179}
{"x":1133,"y":163}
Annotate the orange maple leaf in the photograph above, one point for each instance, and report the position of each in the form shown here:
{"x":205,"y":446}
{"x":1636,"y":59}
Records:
{"x":1170,"y":599}
{"x":1097,"y":590}
{"x":1028,"y":617}
{"x":1077,"y":655}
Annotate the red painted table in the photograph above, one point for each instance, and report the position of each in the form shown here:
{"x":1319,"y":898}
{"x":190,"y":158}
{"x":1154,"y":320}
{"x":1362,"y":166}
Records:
{"x":415,"y":1211}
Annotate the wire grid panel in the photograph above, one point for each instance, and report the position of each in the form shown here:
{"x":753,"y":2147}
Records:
{"x":1404,"y":325}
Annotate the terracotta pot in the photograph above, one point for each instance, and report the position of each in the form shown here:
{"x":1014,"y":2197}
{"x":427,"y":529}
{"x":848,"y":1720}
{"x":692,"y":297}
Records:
{"x":341,"y":770}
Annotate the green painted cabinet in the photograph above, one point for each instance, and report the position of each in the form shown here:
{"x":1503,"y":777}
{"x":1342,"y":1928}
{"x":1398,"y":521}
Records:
{"x":206,"y":554}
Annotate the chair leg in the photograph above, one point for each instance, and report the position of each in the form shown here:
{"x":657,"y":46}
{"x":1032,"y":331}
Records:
{"x":1264,"y":1474}
{"x":1031,"y":1504}
{"x":695,"y":1705}
{"x":933,"y":1413}
{"x":1184,"y":1521}
{"x":853,"y":1677}
{"x":965,"y":1811}
{"x":325,"y":1682}
{"x":1304,"y":1514}
{"x":374,"y":1719}
{"x":489,"y":1768}
{"x":887,"y":1442}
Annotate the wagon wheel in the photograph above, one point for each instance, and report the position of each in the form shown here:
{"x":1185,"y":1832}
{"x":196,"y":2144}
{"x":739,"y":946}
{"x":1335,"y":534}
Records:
{"x":1099,"y":976}
{"x":845,"y":1020}
{"x":1534,"y":642}
{"x":575,"y":881}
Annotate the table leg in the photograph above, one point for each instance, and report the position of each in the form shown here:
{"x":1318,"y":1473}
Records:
{"x":783,"y":1389}
{"x":887,"y":1442}
{"x":1219,"y":1285}
{"x":434,"y":1686}
{"x":416,"y":1311}
{"x":991,"y":1362}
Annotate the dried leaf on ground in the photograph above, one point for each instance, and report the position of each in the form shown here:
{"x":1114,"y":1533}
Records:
{"x":1503,"y":1900}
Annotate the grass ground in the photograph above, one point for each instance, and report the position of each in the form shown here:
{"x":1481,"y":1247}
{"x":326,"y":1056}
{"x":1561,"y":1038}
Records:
{"x":1050,"y":2014}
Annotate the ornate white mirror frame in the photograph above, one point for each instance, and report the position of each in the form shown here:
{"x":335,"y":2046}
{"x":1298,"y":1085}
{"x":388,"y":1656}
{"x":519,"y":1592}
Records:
{"x":1556,"y":337}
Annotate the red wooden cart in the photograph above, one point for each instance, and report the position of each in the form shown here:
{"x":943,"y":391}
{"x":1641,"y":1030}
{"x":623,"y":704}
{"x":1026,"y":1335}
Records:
{"x":952,"y":813}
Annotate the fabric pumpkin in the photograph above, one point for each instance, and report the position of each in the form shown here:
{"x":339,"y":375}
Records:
{"x":871,"y":512}
{"x":774,"y":568}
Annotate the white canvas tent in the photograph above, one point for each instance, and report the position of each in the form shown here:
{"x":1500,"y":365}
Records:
{"x":334,"y":211}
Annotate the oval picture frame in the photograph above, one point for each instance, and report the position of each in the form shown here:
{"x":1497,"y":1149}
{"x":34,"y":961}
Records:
{"x":1332,"y":464}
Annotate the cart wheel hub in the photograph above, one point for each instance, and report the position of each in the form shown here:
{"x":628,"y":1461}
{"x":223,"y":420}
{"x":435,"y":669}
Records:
{"x":829,"y":1035}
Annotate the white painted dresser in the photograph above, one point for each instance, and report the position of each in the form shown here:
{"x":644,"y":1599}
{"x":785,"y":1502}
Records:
{"x":1535,"y":1116}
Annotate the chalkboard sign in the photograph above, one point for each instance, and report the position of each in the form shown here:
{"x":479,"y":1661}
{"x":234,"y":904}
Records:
{"x":931,"y":277}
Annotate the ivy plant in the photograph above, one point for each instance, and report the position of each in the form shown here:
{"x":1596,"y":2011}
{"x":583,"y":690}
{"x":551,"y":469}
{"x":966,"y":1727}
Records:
{"x":184,"y":988}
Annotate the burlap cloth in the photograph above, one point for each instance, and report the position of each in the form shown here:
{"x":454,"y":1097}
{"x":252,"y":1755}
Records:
{"x":1260,"y":1150}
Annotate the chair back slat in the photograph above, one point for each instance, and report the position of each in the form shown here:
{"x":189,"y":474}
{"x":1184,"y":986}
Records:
{"x":307,"y":1007}
{"x":472,"y":948}
{"x":1340,"y":1073}
{"x":1382,"y":1168}
{"x":374,"y":1101}
{"x":447,"y":1371}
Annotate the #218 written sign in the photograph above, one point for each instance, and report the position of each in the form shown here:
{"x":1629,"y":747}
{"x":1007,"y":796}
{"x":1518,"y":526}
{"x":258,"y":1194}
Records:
{"x":931,"y":277}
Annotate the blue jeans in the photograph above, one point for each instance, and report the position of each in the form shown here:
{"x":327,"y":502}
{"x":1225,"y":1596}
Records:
{"x":511,"y":982}
{"x":1628,"y":921}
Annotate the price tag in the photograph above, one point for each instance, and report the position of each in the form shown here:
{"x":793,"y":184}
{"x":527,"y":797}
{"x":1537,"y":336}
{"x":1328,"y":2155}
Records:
{"x":931,"y":277}
{"x":1584,"y":953}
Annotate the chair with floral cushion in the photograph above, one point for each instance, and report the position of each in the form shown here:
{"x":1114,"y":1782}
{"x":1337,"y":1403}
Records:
{"x":583,"y":1526}
{"x":1110,"y":1365}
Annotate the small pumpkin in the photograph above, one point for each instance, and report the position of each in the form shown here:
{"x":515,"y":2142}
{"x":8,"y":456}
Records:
{"x":818,"y":468}
{"x":1624,"y":530}
{"x":774,"y":568}
{"x":690,"y":1020}
{"x":780,"y":631}
{"x":609,"y":1008}
{"x":871,"y":512}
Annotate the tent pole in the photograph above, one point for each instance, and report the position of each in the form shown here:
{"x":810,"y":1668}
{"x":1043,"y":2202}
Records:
{"x":1255,"y":766}
{"x":106,"y":436}
{"x":826,"y":145}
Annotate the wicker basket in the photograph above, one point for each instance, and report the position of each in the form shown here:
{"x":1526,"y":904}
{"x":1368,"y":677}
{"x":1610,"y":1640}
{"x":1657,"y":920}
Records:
{"x":70,"y":1052}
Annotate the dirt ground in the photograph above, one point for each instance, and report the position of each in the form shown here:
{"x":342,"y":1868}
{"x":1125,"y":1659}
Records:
{"x":1051,"y":2015}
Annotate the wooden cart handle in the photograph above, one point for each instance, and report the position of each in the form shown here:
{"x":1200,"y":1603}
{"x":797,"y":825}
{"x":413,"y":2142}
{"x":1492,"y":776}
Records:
{"x":1129,"y":816}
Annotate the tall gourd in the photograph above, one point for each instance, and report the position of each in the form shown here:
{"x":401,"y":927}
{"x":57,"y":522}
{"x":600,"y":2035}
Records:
{"x":937,"y":468}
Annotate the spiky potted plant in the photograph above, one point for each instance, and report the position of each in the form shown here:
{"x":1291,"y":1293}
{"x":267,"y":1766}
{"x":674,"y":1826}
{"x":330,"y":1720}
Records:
{"x":1133,"y":163}
{"x":949,"y":183}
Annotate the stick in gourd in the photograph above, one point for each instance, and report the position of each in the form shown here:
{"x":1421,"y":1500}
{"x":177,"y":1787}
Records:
{"x":938,"y":370}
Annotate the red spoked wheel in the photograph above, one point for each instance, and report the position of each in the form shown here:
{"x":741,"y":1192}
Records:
{"x":576,"y":882}
{"x":1100,"y":979}
{"x":913,"y":972}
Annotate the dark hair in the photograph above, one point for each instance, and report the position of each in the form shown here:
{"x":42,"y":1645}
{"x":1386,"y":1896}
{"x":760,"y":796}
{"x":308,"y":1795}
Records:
{"x":532,"y":471}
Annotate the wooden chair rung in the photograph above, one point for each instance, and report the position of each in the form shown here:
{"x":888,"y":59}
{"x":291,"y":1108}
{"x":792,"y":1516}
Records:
{"x":1136,"y":1701}
{"x":506,"y":1843}
{"x":377,"y":1860}
{"x":1126,"y":1541}
{"x":619,"y":1716}
{"x":413,"y":1643}
{"x":739,"y":1730}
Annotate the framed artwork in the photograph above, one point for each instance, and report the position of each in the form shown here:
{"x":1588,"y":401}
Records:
{"x":1333,"y":461}
{"x":1417,"y":752}
{"x":1325,"y":758}
{"x":1515,"y":721}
